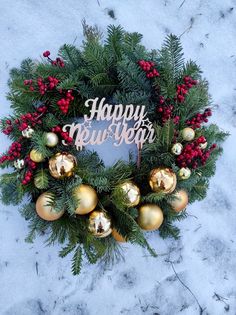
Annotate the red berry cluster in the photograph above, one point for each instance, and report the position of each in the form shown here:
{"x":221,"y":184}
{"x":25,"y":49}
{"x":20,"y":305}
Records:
{"x":43,"y":85}
{"x":13,"y":152}
{"x":58,"y":62}
{"x":192,"y":155}
{"x":182,"y":89}
{"x":29,"y":173}
{"x":64,"y":102}
{"x":199,"y":118}
{"x":8,"y":129}
{"x":64,"y":135}
{"x":166,"y":111}
{"x":148,"y":67}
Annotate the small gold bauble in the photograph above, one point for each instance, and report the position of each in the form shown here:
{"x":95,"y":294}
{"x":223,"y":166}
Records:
{"x":150,"y":217}
{"x":203,"y":146}
{"x":117,"y":236}
{"x":87,"y":199}
{"x":180,"y":201}
{"x":188,"y":134}
{"x":162,"y":179}
{"x":184,"y":173}
{"x":132,"y":193}
{"x":177,"y":149}
{"x":36,"y":156}
{"x":62,"y":165}
{"x":99,"y":224}
{"x":44,"y":210}
{"x":51,"y":139}
{"x":28,"y":132}
{"x":19,"y":164}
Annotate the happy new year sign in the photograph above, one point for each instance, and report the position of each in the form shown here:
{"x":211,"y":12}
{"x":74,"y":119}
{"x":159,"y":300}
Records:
{"x":128,"y":124}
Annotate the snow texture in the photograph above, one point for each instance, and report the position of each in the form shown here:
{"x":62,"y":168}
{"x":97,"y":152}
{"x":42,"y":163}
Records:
{"x":33,"y":280}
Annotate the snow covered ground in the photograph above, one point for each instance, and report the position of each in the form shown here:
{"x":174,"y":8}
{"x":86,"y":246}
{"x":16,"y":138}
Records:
{"x":33,"y":280}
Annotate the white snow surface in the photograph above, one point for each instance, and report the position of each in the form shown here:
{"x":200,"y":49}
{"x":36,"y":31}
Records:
{"x":33,"y":279}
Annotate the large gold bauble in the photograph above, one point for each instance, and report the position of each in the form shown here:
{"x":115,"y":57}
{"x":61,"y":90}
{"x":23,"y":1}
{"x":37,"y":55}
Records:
{"x":62,"y":165}
{"x":162,"y":179}
{"x":132,"y":193}
{"x":117,"y":236}
{"x":184,"y":173}
{"x":188,"y":134}
{"x":99,"y":224}
{"x":51,"y":139}
{"x":87,"y":199}
{"x":180,"y":201}
{"x":44,"y":210}
{"x":36,"y":156}
{"x":150,"y":217}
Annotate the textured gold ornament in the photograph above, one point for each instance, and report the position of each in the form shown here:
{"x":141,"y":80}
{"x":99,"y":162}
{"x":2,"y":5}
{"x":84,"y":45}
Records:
{"x":184,"y":173}
{"x":162,"y":179}
{"x":62,"y":165}
{"x":51,"y":139}
{"x":19,"y":164}
{"x":188,"y":134}
{"x":150,"y":217}
{"x":28,"y":132}
{"x":117,"y":236}
{"x":87,"y":199}
{"x":180,"y":201}
{"x":177,"y":148}
{"x":44,"y":210}
{"x":99,"y":224}
{"x":203,"y":145}
{"x":36,"y":156}
{"x":132,"y":193}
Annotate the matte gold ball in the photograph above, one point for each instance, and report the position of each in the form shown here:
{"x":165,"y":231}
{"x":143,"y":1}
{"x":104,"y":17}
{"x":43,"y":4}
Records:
{"x":188,"y":134}
{"x":150,"y":217}
{"x":162,"y":179}
{"x":51,"y":139}
{"x":132,"y":193}
{"x":177,"y":148}
{"x":87,"y":199}
{"x":36,"y":156}
{"x":117,"y":236}
{"x":180,"y":201}
{"x":44,"y":210}
{"x":99,"y":224}
{"x":184,"y":173}
{"x":62,"y":165}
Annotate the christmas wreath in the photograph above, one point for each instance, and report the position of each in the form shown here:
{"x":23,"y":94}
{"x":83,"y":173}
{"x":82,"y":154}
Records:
{"x":66,"y":190}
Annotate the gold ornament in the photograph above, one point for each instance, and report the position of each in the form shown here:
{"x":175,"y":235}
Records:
{"x":28,"y":132}
{"x":19,"y":164}
{"x":117,"y":236}
{"x":150,"y":217}
{"x":99,"y":224}
{"x":62,"y":165}
{"x":177,"y":149}
{"x":184,"y":173}
{"x":87,"y":199}
{"x":203,"y":145}
{"x":132,"y":193}
{"x":180,"y":201}
{"x":162,"y":179}
{"x":44,"y":210}
{"x":36,"y":156}
{"x":51,"y":139}
{"x":188,"y":134}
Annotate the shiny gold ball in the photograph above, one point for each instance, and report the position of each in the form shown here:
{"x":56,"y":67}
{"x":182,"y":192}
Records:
{"x":188,"y":134}
{"x":36,"y":156}
{"x":184,"y":173}
{"x":87,"y":199}
{"x":62,"y":165}
{"x":51,"y":139}
{"x":203,"y":146}
{"x":19,"y":164}
{"x":44,"y":210}
{"x":180,"y":201}
{"x":28,"y":132}
{"x":162,"y":179}
{"x":150,"y":217}
{"x":117,"y":236}
{"x":177,"y":148}
{"x":99,"y":224}
{"x":132,"y":193}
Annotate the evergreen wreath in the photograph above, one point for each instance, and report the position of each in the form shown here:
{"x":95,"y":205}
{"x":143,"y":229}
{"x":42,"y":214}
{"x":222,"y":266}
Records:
{"x":172,"y":171}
